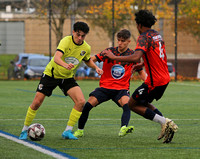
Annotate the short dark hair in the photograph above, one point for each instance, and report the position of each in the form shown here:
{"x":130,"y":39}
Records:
{"x":124,"y":33}
{"x":145,"y":18}
{"x":81,"y":26}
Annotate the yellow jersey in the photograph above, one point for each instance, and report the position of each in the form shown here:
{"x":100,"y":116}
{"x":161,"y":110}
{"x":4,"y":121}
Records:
{"x":72,"y":53}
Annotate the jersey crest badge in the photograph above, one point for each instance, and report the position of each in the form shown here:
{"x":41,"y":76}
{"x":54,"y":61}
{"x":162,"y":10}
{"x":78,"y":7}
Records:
{"x":72,"y":60}
{"x":117,"y":71}
{"x":82,"y":53}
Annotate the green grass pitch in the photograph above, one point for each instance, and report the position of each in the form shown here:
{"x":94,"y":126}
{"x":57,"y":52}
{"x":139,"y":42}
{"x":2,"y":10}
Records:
{"x":181,"y":102}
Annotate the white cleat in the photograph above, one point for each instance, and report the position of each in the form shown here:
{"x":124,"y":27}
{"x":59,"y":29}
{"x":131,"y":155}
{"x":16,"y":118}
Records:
{"x":168,"y":129}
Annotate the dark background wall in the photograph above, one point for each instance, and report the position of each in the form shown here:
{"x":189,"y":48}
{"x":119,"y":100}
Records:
{"x":186,"y":67}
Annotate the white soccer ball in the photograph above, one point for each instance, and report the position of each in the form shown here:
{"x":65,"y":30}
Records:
{"x":36,"y":132}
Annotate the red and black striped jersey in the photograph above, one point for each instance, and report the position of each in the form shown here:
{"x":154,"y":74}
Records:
{"x":154,"y":56}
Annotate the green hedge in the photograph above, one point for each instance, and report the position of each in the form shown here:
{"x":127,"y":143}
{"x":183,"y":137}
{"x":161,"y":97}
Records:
{"x":4,"y":64}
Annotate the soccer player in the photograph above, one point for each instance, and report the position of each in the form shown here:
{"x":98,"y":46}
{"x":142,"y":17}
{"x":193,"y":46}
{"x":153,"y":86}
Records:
{"x":60,"y":72}
{"x":114,"y":84}
{"x":151,"y":47}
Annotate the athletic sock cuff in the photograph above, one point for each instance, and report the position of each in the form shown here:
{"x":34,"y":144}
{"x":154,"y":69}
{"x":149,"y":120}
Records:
{"x":125,"y":107}
{"x":74,"y":116}
{"x":149,"y":114}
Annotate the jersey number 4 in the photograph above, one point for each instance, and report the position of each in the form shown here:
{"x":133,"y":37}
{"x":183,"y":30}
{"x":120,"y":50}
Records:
{"x":162,"y":55}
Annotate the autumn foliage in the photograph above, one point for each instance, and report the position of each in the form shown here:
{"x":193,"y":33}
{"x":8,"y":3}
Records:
{"x":124,"y":10}
{"x":189,"y":17}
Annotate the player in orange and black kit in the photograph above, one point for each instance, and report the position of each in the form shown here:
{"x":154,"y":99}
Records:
{"x":151,"y":48}
{"x":114,"y":84}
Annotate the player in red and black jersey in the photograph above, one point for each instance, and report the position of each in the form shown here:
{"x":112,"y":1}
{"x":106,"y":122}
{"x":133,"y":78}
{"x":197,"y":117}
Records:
{"x":116,"y":74}
{"x":114,"y":84}
{"x":151,"y":48}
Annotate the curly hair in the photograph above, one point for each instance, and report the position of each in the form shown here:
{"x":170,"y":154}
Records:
{"x":145,"y":18}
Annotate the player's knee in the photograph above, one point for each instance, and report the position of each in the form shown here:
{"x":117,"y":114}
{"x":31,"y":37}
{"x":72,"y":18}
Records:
{"x":81,"y":102}
{"x":36,"y":104}
{"x":132,"y":103}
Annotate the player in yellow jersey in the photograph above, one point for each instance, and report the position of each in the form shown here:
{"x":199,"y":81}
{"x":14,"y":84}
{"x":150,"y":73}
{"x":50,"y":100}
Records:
{"x":60,"y":72}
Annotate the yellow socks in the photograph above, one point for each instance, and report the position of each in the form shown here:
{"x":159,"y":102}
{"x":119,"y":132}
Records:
{"x":29,"y":116}
{"x":73,"y":118}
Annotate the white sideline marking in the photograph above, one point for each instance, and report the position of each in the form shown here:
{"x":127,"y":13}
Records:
{"x":89,"y":119}
{"x":185,"y":84}
{"x":35,"y":147}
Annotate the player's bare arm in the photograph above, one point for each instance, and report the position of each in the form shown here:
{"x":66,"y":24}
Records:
{"x":143,"y":75}
{"x":94,"y":59}
{"x":137,"y":66}
{"x":91,"y":64}
{"x":59,"y":61}
{"x":131,"y":58}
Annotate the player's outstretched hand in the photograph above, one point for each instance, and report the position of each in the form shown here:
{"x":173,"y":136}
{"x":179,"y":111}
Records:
{"x":137,"y":66}
{"x":99,"y":71}
{"x":108,"y":53}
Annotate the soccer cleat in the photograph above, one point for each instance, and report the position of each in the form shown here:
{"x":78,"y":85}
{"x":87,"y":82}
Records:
{"x":23,"y":135}
{"x":163,"y":129}
{"x":69,"y":135}
{"x":172,"y":128}
{"x":169,"y":136}
{"x":78,"y":133}
{"x":125,"y":130}
{"x":169,"y":124}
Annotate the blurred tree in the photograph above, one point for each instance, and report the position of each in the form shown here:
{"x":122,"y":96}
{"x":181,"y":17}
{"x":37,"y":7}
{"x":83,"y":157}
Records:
{"x":61,"y":9}
{"x":189,"y":17}
{"x":101,"y":14}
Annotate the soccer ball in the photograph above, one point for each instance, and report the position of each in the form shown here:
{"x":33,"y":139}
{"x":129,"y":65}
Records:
{"x":36,"y":132}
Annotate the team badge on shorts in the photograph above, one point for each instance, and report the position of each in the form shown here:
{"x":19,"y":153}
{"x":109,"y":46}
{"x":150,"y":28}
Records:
{"x":40,"y":86}
{"x":82,"y":53}
{"x":117,"y":71}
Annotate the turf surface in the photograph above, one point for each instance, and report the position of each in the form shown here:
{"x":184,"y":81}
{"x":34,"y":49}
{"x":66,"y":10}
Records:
{"x":180,"y":103}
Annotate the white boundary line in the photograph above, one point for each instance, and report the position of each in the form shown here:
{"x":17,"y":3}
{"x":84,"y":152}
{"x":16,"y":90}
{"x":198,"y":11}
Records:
{"x":90,"y":119}
{"x":185,"y":84}
{"x":46,"y":150}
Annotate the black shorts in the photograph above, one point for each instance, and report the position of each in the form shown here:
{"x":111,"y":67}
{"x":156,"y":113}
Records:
{"x":103,"y":94}
{"x":144,"y":96}
{"x":48,"y":84}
